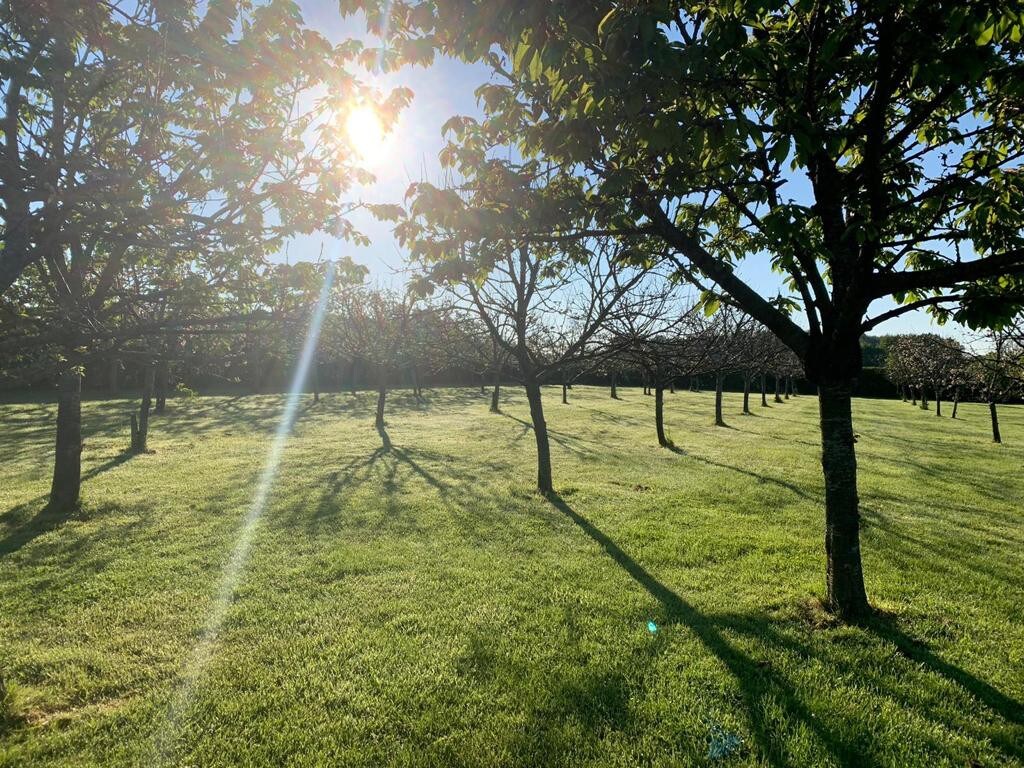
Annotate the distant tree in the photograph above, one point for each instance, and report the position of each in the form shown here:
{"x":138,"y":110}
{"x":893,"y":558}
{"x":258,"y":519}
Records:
{"x":546,"y":314}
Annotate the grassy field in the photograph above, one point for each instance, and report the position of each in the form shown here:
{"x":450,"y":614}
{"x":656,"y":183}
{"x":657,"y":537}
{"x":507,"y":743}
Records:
{"x":422,"y":606}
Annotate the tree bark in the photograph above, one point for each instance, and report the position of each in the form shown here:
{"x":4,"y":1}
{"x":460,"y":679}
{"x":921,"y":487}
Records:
{"x":913,"y":394}
{"x":540,"y":433}
{"x":938,"y":401}
{"x":495,"y":395}
{"x":788,"y":386}
{"x":382,"y":394}
{"x":996,"y":437}
{"x":844,"y":576}
{"x":778,"y":390}
{"x":924,"y":399}
{"x":142,"y":434}
{"x":565,"y":394}
{"x":659,"y":414}
{"x":956,"y":402}
{"x":764,"y":391}
{"x":719,"y":421}
{"x":67,"y":466}
{"x":615,"y":391}
{"x":746,"y":395}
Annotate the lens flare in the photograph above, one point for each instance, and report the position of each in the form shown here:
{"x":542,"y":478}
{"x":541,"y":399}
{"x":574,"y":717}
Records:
{"x":367,"y":136}
{"x":164,"y":743}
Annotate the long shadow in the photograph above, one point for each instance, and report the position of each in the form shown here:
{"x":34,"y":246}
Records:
{"x":755,"y":680}
{"x":45,"y":520}
{"x":886,"y":628}
{"x":760,"y":478}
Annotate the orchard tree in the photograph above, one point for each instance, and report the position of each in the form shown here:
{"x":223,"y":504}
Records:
{"x":136,"y":131}
{"x":546,"y":311}
{"x":868,"y":152}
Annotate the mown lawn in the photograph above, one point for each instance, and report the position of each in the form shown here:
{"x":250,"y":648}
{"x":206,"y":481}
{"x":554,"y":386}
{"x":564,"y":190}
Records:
{"x":422,"y":606}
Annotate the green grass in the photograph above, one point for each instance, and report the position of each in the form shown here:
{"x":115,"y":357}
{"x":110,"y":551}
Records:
{"x":424,"y":607}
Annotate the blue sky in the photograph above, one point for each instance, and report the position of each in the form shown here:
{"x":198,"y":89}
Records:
{"x":443,"y":90}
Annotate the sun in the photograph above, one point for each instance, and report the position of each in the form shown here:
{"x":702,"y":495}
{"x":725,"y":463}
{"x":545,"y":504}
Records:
{"x":367,"y":136}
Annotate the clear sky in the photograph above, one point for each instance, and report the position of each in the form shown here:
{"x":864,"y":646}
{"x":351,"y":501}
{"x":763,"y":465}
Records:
{"x":443,"y":90}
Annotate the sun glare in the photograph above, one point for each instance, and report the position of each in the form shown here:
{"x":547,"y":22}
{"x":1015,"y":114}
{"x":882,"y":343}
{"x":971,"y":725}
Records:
{"x":367,"y":136}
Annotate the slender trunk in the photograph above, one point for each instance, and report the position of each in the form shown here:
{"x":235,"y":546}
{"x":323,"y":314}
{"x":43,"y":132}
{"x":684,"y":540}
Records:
{"x":67,"y":466}
{"x":565,"y":394}
{"x":844,"y":576}
{"x":659,"y":414}
{"x":163,"y":375}
{"x":495,"y":394}
{"x":382,"y":394}
{"x":719,"y":421}
{"x":788,"y":386}
{"x":996,"y":437}
{"x":778,"y":390}
{"x":540,"y":433}
{"x":142,"y":432}
{"x":415,"y":384}
{"x":903,"y":391}
{"x":956,"y":402}
{"x":672,"y":386}
{"x":924,"y":399}
{"x":615,"y":391}
{"x":746,"y":395}
{"x":913,"y":394}
{"x":764,"y":391}
{"x":938,"y":401}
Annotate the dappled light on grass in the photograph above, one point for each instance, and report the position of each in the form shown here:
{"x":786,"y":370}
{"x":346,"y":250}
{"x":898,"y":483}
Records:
{"x":164,"y":741}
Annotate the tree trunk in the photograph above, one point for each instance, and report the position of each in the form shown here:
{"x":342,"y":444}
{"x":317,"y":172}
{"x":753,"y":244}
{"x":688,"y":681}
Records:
{"x":162,"y":382}
{"x":142,"y":433}
{"x":903,"y":392}
{"x":565,"y":394}
{"x":924,"y":399}
{"x":67,"y":466}
{"x":495,"y":394}
{"x":659,"y":414}
{"x":913,"y":394}
{"x":938,"y":401}
{"x":788,"y":386}
{"x":996,"y":437}
{"x":483,"y":385}
{"x":672,"y":386}
{"x":540,"y":433}
{"x":746,"y":395}
{"x":615,"y":391}
{"x":956,"y":402}
{"x":844,"y":576}
{"x":382,"y":394}
{"x":764,"y":391}
{"x":415,"y":384}
{"x":719,"y":421}
{"x":778,"y":390}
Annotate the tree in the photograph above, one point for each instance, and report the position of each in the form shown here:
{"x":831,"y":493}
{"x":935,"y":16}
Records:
{"x":160,"y":134}
{"x":868,"y":150}
{"x":547,"y":314}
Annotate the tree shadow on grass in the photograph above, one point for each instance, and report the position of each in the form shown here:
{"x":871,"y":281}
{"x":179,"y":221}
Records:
{"x":759,"y":683}
{"x":791,"y":487}
{"x":755,"y":681}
